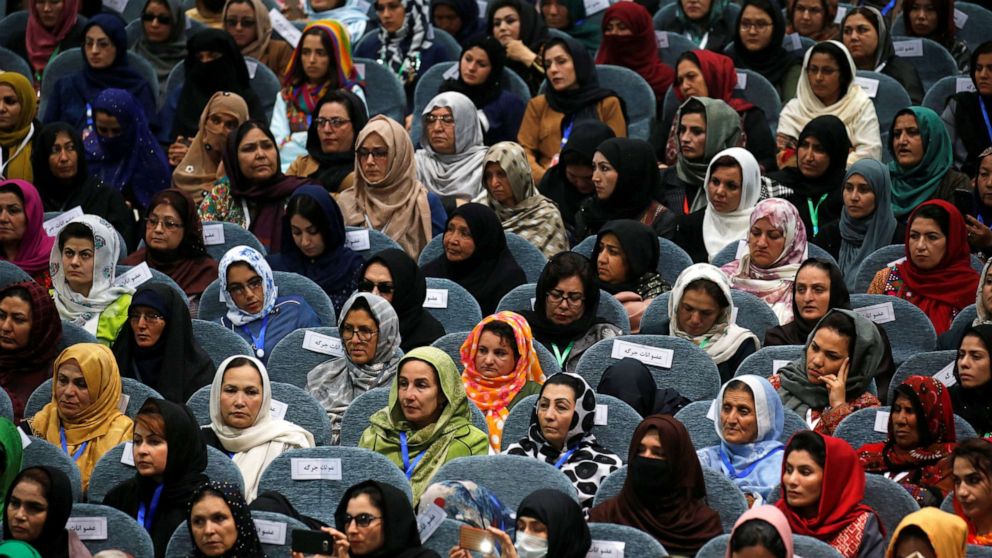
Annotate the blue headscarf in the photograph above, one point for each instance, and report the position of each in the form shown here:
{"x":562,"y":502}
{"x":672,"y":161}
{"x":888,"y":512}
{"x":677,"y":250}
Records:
{"x":119,"y":75}
{"x":860,"y":237}
{"x":132,"y":161}
{"x":254,"y":258}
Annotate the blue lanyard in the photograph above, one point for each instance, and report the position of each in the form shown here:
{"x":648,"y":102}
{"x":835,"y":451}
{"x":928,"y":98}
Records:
{"x":733,"y":474}
{"x":408,"y":466}
{"x":65,"y":447}
{"x":146,"y":519}
{"x":888,"y":7}
{"x":564,"y":457}
{"x":985,"y":113}
{"x":258,"y":343}
{"x":567,"y":133}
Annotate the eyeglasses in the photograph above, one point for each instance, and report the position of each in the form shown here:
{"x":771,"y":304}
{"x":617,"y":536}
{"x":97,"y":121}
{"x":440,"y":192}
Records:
{"x":336,"y":123}
{"x":254,"y":284}
{"x":826,"y":71}
{"x":758,"y":26}
{"x":362,"y":520}
{"x":150,"y":317}
{"x":557,"y":297}
{"x":244,"y":21}
{"x":364,"y":334}
{"x":366,"y":286}
{"x":163,"y":19}
{"x":446,"y":119}
{"x":379,"y":154}
{"x":169,"y":224}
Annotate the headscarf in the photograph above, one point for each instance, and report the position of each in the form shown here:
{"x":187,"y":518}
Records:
{"x":470,"y":503}
{"x":568,"y":534}
{"x":35,"y":246}
{"x":797,"y":331}
{"x":630,"y":381}
{"x":638,"y":51}
{"x":586,"y":137}
{"x":18,"y":549}
{"x":974,"y":404}
{"x":548,"y":332}
{"x":18,"y":141}
{"x":774,"y":283}
{"x":258,"y":48}
{"x":85,"y":310}
{"x":721,"y":229}
{"x":252,"y":257}
{"x":637,"y":178}
{"x":664,"y":498}
{"x":723,"y":131}
{"x":396,"y":205}
{"x":641,"y":253}
{"x":457,"y":174}
{"x":176,"y":366}
{"x":333,"y":168}
{"x":697,"y":30}
{"x":493,"y":395}
{"x":337,"y":382}
{"x":968,"y":116}
{"x":398,"y":521}
{"x":197,"y":172}
{"x":23,"y":370}
{"x":725,"y":337}
{"x":303,"y":99}
{"x":54,"y":193}
{"x":800,"y":395}
{"x":100,"y":426}
{"x":258,"y":445}
{"x":468,"y":13}
{"x":574,"y":103}
{"x":533,"y":32}
{"x":534,"y":217}
{"x":830,"y":28}
{"x":913,"y":186}
{"x":720,"y":77}
{"x":490,"y":272}
{"x":586,"y":462}
{"x":132,"y":162}
{"x":188,"y":265}
{"x":771,"y":61}
{"x":42,"y":42}
{"x":53,"y":541}
{"x":164,"y":55}
{"x":884,"y":49}
{"x":828,"y":188}
{"x":946,"y":532}
{"x":488,"y":91}
{"x":417,"y":326}
{"x":12,"y":456}
{"x":401,"y":51}
{"x":582,"y":28}
{"x":774,"y":517}
{"x":247,"y":544}
{"x":860,"y":237}
{"x":981,"y":312}
{"x":434,"y":440}
{"x":947,"y":288}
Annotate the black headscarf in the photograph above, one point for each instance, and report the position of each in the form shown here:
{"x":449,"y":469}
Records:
{"x":533,"y":32}
{"x":548,"y":332}
{"x":832,"y":135}
{"x":797,"y":331}
{"x":417,"y":327}
{"x":468,"y":13}
{"x":53,"y":542}
{"x":176,"y":366}
{"x":335,"y":167}
{"x":974,"y":405}
{"x":490,"y":272}
{"x":969,"y":124}
{"x":637,"y":177}
{"x":773,"y":60}
{"x":577,"y":103}
{"x":568,"y":533}
{"x":630,"y":381}
{"x":581,"y":146}
{"x":399,"y":524}
{"x":640,"y":248}
{"x":486,"y":92}
{"x":247,"y":545}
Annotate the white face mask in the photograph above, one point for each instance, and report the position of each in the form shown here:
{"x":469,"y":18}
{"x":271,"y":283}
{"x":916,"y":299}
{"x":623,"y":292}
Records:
{"x":529,"y":546}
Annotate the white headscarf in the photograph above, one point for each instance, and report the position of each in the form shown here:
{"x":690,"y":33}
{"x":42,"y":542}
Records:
{"x":721,"y":229}
{"x":458,"y":174}
{"x":983,"y":316}
{"x":725,"y":337}
{"x":256,"y":446}
{"x":252,"y":257}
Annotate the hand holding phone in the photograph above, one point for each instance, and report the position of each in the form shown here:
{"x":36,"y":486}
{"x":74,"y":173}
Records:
{"x":326,"y":542}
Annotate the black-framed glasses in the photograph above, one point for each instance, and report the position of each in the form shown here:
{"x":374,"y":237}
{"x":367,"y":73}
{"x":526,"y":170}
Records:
{"x":150,"y":317}
{"x":244,"y":21}
{"x":364,"y":334}
{"x":255,"y":284}
{"x":379,"y":154}
{"x":362,"y":520}
{"x":556,"y":297}
{"x":366,"y":286}
{"x":169,"y":224}
{"x":163,"y":19}
{"x":335,"y":122}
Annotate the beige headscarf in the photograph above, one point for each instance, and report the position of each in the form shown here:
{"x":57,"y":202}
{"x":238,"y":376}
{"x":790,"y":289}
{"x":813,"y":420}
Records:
{"x":263,"y":26}
{"x":396,"y":205}
{"x":197,"y":173}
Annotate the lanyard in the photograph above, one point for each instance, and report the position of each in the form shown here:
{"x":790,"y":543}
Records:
{"x":565,"y":134}
{"x":65,"y":447}
{"x":24,"y":142}
{"x":562,"y":357}
{"x":146,"y":517}
{"x":408,"y":466}
{"x":564,"y":457}
{"x":733,"y":474}
{"x":888,"y":7}
{"x":258,"y":343}
{"x":814,"y":212}
{"x":702,"y":345}
{"x":985,"y":113}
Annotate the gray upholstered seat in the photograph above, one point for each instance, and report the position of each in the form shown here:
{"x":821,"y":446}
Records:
{"x":40,"y":452}
{"x":135,"y":392}
{"x":181,"y":545}
{"x":753,"y":314}
{"x":219,"y":342}
{"x":462,"y":311}
{"x":910,"y":333}
{"x":703,"y":432}
{"x":123,"y":532}
{"x":502,"y":475}
{"x":922,"y":364}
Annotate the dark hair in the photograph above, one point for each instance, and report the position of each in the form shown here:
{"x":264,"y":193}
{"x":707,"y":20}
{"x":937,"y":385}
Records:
{"x":692,"y":106}
{"x":737,"y":385}
{"x":505,"y":332}
{"x":207,"y":490}
{"x":564,"y":265}
{"x":39,"y":476}
{"x":687,"y":55}
{"x":937,"y":214}
{"x":343,"y":98}
{"x":865,"y":13}
{"x":570,"y":380}
{"x":242,"y":361}
{"x":791,"y":7}
{"x":843,"y":325}
{"x":308,"y":208}
{"x":710,"y":288}
{"x":833,"y":51}
{"x":757,"y":532}
{"x":810,"y":442}
{"x":74,"y":230}
{"x":977,"y":452}
{"x":725,"y":162}
{"x":243,"y":129}
{"x":298,"y":74}
{"x":16,"y":291}
{"x":374,"y":494}
{"x":557,"y":41}
{"x":12,"y":189}
{"x":361,"y":303}
{"x":150,"y":416}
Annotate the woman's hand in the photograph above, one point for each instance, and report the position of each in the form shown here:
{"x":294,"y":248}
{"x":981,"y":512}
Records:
{"x":837,"y":385}
{"x":979,"y":235}
{"x":178,"y":150}
{"x":505,"y":543}
{"x":517,"y":50}
{"x":341,"y":546}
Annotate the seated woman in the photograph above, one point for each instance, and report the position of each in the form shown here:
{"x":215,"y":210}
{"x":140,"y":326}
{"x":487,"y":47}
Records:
{"x":105,"y":66}
{"x":449,"y":162}
{"x":972,"y":473}
{"x":705,"y":23}
{"x":733,"y":187}
{"x":427,"y":416}
{"x":330,"y":143}
{"x":51,"y":28}
{"x":156,"y":345}
{"x":23,"y":240}
{"x":920,"y":441}
{"x":198,"y":165}
{"x":571,"y":18}
{"x":829,"y":381}
{"x":169,"y":460}
{"x":569,"y":183}
{"x":701,"y":310}
{"x":963,"y":115}
{"x":626,"y":256}
{"x":318,"y":252}
{"x":320,"y":64}
{"x":36,"y":508}
{"x":564,"y":315}
{"x":369,"y":332}
{"x":510,"y":192}
{"x":972,"y":388}
{"x":468,"y":502}
{"x":480,"y":78}
{"x":176,"y":248}
{"x":254,"y":193}
{"x":829,"y":508}
{"x":522,"y":34}
{"x":501,"y":368}
{"x":625,"y":177}
{"x":663,"y":493}
{"x":247,"y":21}
{"x":560,"y":435}
{"x":815,"y":19}
{"x":458,"y":18}
{"x":936,"y":275}
{"x":82,"y":418}
{"x":17,"y":126}
{"x":629,"y":40}
{"x":572,"y":95}
{"x":921,"y":164}
{"x":30,"y":332}
{"x":83,"y":273}
{"x":761,"y":528}
{"x":828,"y":87}
{"x":934,"y":20}
{"x":979,"y":234}
{"x":387,"y":195}
{"x":241,"y":424}
{"x":757,"y":46}
{"x":869,"y":41}
{"x":220,"y":523}
{"x":394,"y":276}
{"x":122,"y":152}
{"x":776,"y":245}
{"x":162,"y":38}
{"x":931,"y":529}
{"x":477,"y":257}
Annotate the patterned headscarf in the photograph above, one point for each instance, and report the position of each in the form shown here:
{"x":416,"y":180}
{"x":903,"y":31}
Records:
{"x":401,"y":57}
{"x":247,"y":544}
{"x":457,"y":174}
{"x":252,"y":257}
{"x":301,"y":97}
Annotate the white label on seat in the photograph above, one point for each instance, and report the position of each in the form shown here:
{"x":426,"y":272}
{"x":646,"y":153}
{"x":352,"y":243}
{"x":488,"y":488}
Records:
{"x":960,"y":18}
{"x":741,"y":80}
{"x":277,"y":409}
{"x":608,"y":549}
{"x":54,"y":225}
{"x":360,"y":68}
{"x":271,"y":532}
{"x":595,"y":6}
{"x":284,"y":27}
{"x":878,"y":313}
{"x":869,"y":85}
{"x":363,"y":6}
{"x":116,"y":5}
{"x":841,"y":12}
{"x":964,"y":84}
{"x":134,"y":276}
{"x":792,"y":42}
{"x":912,"y":47}
{"x":436,"y":298}
{"x":451,"y":73}
{"x":741,"y":249}
{"x":778,"y":364}
{"x":324,"y":344}
{"x":213,"y":234}
{"x":533,"y":302}
{"x":25,"y":439}
{"x":358,"y":240}
{"x":946,"y":375}
{"x":328,"y":468}
{"x":252,"y":68}
{"x":122,"y":403}
{"x":882,"y":422}
{"x":652,"y":356}
{"x":429,"y":520}
{"x":602,"y":417}
{"x":662,"y":37}
{"x":127,"y":457}
{"x":88,"y":528}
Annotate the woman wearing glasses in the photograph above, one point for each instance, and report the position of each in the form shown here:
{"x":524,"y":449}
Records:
{"x":253,"y":309}
{"x":162,"y":41}
{"x":329,"y":159}
{"x":449,"y":162}
{"x":53,"y":26}
{"x":370,"y":334}
{"x":247,"y":21}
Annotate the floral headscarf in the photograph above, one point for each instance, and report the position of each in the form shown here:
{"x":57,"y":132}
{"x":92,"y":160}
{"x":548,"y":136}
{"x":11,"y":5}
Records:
{"x":252,"y":257}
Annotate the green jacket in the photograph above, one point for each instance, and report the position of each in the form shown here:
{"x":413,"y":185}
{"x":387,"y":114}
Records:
{"x":112,"y":320}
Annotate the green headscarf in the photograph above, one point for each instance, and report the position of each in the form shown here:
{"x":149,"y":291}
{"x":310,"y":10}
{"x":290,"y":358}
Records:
{"x":587,"y":29}
{"x":695,"y":29}
{"x":18,"y":549}
{"x":13,"y":455}
{"x":723,"y":131}
{"x":913,"y":186}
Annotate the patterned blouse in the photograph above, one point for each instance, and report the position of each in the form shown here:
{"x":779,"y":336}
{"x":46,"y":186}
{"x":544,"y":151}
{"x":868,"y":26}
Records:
{"x":825,"y":420}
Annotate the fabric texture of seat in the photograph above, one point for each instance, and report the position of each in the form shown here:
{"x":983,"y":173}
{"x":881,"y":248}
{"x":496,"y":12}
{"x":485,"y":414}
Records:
{"x":12,"y":62}
{"x":960,"y":325}
{"x":938,"y":93}
{"x":890,"y":98}
{"x":264,"y":83}
{"x":910,"y":331}
{"x":752,"y":314}
{"x":157,"y":277}
{"x":858,"y":428}
{"x":931,"y":60}
{"x":461,"y":312}
{"x":290,"y":362}
{"x":921,"y":364}
{"x":72,"y":334}
{"x":729,"y":254}
{"x":767,"y":360}
{"x":234,"y":235}
{"x":10,"y":273}
{"x":40,"y":452}
{"x":451,"y":343}
{"x":212,"y":308}
{"x":70,"y":61}
{"x":976,"y":551}
{"x":390,"y":97}
{"x":671,"y":45}
{"x":636,"y":542}
{"x":134,"y":392}
{"x":672,"y":262}
{"x":181,"y":545}
{"x":615,"y":435}
{"x":889,"y":500}
{"x":123,"y":532}
{"x":446,"y":536}
{"x":637,"y":96}
{"x":522,"y":298}
{"x":703,"y":434}
{"x":6,"y":406}
{"x":377,"y":241}
{"x":756,"y":89}
{"x":502,"y":475}
{"x":527,"y":256}
{"x":219,"y":342}
{"x":975,"y":29}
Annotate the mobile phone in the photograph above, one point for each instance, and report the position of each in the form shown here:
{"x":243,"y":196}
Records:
{"x":312,"y":542}
{"x":479,"y":540}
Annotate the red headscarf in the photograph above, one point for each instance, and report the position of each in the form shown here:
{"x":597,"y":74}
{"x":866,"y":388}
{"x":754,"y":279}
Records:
{"x":951,"y":285}
{"x":639,"y":51}
{"x":42,"y":42}
{"x":36,"y":245}
{"x":22,"y":370}
{"x":720,"y":76}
